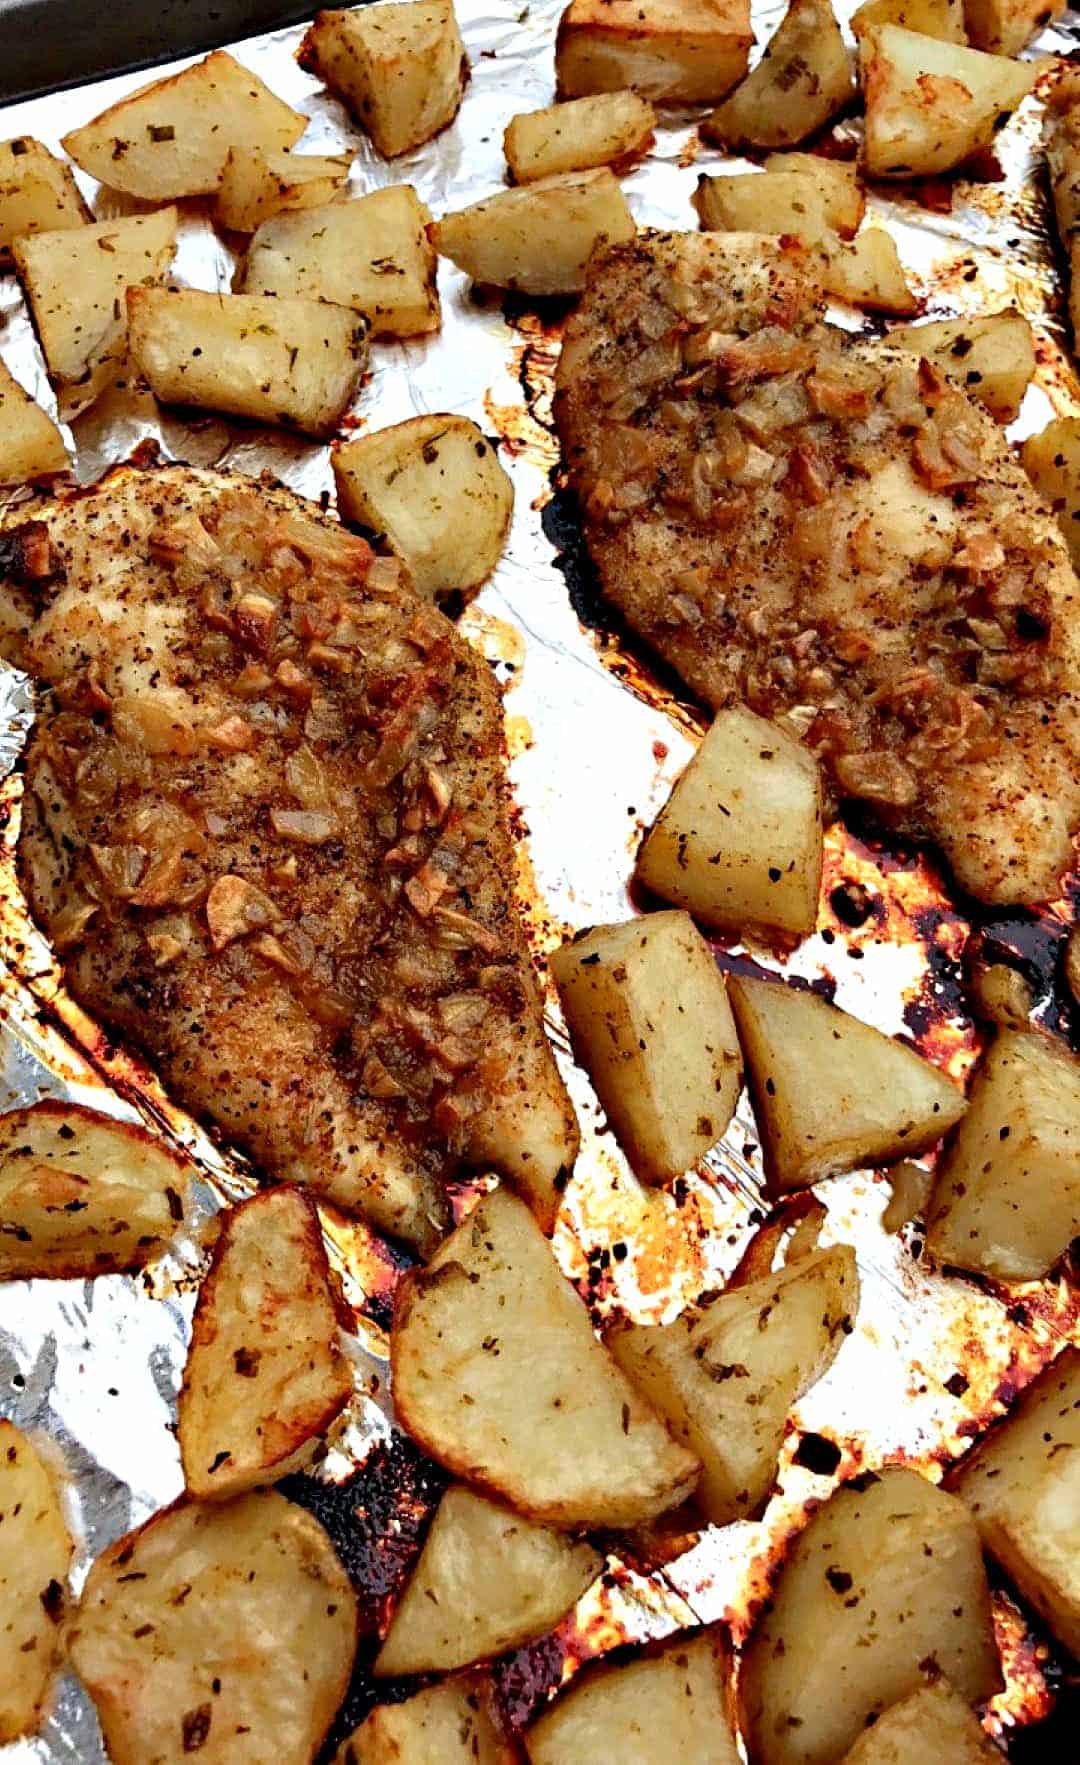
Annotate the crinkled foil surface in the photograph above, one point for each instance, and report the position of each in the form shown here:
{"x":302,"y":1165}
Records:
{"x":596,"y":737}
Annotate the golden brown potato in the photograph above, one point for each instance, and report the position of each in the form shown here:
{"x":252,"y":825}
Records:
{"x":804,"y":77}
{"x":290,"y":361}
{"x":883,"y":1590}
{"x":774,"y":201}
{"x":1022,"y":1483}
{"x":226,"y":1629}
{"x":837,"y":181}
{"x":675,"y":51}
{"x":497,"y":1374}
{"x":933,"y":1726}
{"x":75,"y":281}
{"x":172,"y":138}
{"x":400,"y":70}
{"x":725,"y":1378}
{"x":38,"y":193}
{"x":603,"y":129}
{"x":651,"y":1024}
{"x":1007,"y":1197}
{"x":539,"y":238}
{"x":435,"y":488}
{"x":867,"y":273}
{"x":372,"y":254}
{"x":31,"y":446}
{"x":257,"y":185}
{"x":265,"y":1374}
{"x":738,"y":842}
{"x":672,"y":1703}
{"x":943,"y":19}
{"x":830,"y":1093}
{"x":931,"y":105}
{"x":1052,"y":462}
{"x":486,"y":1581}
{"x":993,"y":358}
{"x":454,"y":1723}
{"x":83,"y":1194}
{"x":1005,"y":26}
{"x":35,"y":1557}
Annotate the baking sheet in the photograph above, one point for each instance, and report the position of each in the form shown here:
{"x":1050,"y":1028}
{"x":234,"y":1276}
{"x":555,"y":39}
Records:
{"x":596,"y":734}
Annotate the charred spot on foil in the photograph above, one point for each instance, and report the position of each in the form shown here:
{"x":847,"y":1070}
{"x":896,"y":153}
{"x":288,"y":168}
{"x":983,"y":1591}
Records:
{"x":817,"y":1453}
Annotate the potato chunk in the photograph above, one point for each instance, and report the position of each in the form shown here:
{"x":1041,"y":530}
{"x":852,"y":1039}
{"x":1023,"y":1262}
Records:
{"x":1052,"y":462}
{"x":455,"y":1723}
{"x":537,"y":239}
{"x":265,"y":1374}
{"x":1007,"y":1197}
{"x":435,"y":488}
{"x":599,"y":130}
{"x":172,"y":138}
{"x":223,"y":1628}
{"x":943,"y":19}
{"x":652,"y":1026}
{"x":884,"y":1589}
{"x":671,"y":1704}
{"x":1022,"y":1483}
{"x":804,"y":77}
{"x":993,"y":358}
{"x":932,"y":1726}
{"x":75,"y":281}
{"x":497,"y":1374}
{"x":290,"y":361}
{"x":931,"y":105}
{"x":675,"y":51}
{"x":739,"y":841}
{"x":726,"y":1377}
{"x":400,"y":70}
{"x":487,"y":1580}
{"x":256,"y":186}
{"x":38,"y":193}
{"x":82,"y":1194}
{"x":31,"y":446}
{"x":830,"y":1093}
{"x":35,"y":1557}
{"x":774,"y":202}
{"x":372,"y":254}
{"x":867,"y":273}
{"x":1005,"y":26}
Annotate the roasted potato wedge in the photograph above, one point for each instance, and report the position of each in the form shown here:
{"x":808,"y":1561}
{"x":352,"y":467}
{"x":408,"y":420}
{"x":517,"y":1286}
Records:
{"x":1061,"y":140}
{"x":265,"y":1374}
{"x":931,"y":105}
{"x":773,"y":202}
{"x":739,"y":840}
{"x":539,"y":238}
{"x":603,"y":129}
{"x":38,"y":193}
{"x":289,"y":360}
{"x":35,"y":1558}
{"x":837,"y":182}
{"x":830,"y":1093}
{"x":672,"y":1703}
{"x":992,"y":358}
{"x":1052,"y":462}
{"x":75,"y":281}
{"x":487,"y":1580}
{"x":222,"y":1628}
{"x":883,"y":1590}
{"x":172,"y":138}
{"x":454,"y":1723}
{"x":372,"y":254}
{"x":652,"y":1026}
{"x":725,"y":1378}
{"x":943,"y":19}
{"x":497,"y":1374}
{"x":804,"y":77}
{"x":867,"y":273}
{"x":83,"y":1194}
{"x":255,"y":185}
{"x":1004,"y":27}
{"x":1022,"y":1483}
{"x":400,"y":70}
{"x":681,"y":52}
{"x":434,"y":487}
{"x":31,"y":446}
{"x":932,"y":1726}
{"x":1007,"y":1197}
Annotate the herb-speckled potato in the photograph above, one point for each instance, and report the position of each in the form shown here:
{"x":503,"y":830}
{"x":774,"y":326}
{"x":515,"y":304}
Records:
{"x":867,"y":273}
{"x":674,"y":51}
{"x":1052,"y":462}
{"x":931,"y":105}
{"x":993,"y":358}
{"x":573,"y":137}
{"x":35,"y":1557}
{"x":255,"y":186}
{"x":38,"y":193}
{"x":933,"y":1726}
{"x":804,"y":77}
{"x":943,"y":19}
{"x":1005,"y":26}
{"x":454,"y":1723}
{"x":670,"y":1704}
{"x":539,"y":238}
{"x":31,"y":446}
{"x":399,"y":69}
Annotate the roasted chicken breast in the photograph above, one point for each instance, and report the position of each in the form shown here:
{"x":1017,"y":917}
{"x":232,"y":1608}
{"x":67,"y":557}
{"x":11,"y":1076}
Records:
{"x":831,"y":532}
{"x":265,"y":825}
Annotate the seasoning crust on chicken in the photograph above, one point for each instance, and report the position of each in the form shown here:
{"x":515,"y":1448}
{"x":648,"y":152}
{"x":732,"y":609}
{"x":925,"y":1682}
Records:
{"x":266,"y":828}
{"x":831,"y":532}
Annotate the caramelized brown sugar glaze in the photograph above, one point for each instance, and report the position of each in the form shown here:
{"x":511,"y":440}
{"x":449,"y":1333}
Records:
{"x":832,"y":532}
{"x":266,"y":826}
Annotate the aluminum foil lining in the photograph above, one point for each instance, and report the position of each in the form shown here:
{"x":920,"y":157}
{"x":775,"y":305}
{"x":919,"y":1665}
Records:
{"x":596,"y":738}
